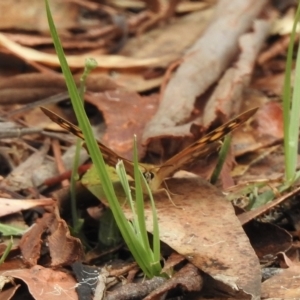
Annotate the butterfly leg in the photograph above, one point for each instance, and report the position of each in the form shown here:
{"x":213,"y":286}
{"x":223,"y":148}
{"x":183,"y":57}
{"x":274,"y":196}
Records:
{"x":168,"y":195}
{"x":168,"y":190}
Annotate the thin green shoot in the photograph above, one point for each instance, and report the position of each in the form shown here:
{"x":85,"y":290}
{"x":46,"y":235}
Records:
{"x":147,"y":259}
{"x":140,"y":182}
{"x":77,"y":223}
{"x":221,"y":159}
{"x":109,"y":235}
{"x":6,"y":251}
{"x":291,"y":108}
{"x":90,"y":64}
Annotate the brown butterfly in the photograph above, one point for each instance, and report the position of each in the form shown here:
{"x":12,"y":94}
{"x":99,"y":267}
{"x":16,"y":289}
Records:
{"x":155,"y":175}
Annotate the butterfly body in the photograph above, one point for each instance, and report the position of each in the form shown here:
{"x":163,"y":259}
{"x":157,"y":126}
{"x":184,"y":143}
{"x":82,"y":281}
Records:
{"x":155,"y":175}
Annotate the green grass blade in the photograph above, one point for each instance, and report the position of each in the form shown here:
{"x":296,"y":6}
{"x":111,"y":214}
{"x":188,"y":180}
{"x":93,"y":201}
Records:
{"x":291,"y":107}
{"x":6,"y":251}
{"x":221,"y":159}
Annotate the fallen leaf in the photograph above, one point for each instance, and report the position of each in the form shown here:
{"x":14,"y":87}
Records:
{"x":21,"y":177}
{"x":46,"y":283}
{"x":267,"y":239}
{"x":78,"y":61}
{"x":10,"y":206}
{"x":34,"y":19}
{"x":204,"y":229}
{"x":133,"y":114}
{"x":284,"y":285}
{"x":63,"y":248}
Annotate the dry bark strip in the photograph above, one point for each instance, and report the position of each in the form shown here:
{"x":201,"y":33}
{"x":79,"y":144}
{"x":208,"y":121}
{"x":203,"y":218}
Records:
{"x":227,"y":96}
{"x":204,"y":64}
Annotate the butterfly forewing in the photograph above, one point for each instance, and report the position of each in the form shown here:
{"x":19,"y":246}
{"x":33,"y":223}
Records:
{"x":110,"y":157}
{"x":200,"y":149}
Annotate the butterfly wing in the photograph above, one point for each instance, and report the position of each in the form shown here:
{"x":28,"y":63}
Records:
{"x":156,"y":175}
{"x":110,"y":157}
{"x":200,"y":149}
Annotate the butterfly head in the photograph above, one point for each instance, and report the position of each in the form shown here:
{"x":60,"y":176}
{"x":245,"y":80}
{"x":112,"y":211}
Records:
{"x":148,"y":176}
{"x":151,"y":175}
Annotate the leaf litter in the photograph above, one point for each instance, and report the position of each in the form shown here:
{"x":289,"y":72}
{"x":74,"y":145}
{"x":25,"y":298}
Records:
{"x":210,"y":74}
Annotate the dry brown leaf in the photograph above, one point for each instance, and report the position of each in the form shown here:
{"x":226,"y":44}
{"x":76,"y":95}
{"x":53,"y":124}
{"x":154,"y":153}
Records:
{"x":63,"y":248}
{"x":133,"y":112}
{"x":183,"y":7}
{"x":173,"y":38}
{"x":17,"y":15}
{"x":48,"y":169}
{"x":46,"y":284}
{"x":136,"y":81}
{"x":284,"y":285}
{"x":8,"y":293}
{"x":271,"y":84}
{"x":9,"y":206}
{"x":30,"y":87}
{"x":269,"y":121}
{"x":204,"y":229}
{"x":22,"y":176}
{"x":267,"y":239}
{"x":265,"y":130}
{"x":78,"y":61}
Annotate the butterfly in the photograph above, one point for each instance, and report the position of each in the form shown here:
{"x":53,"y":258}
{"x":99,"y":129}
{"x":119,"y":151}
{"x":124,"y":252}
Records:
{"x":155,"y":175}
